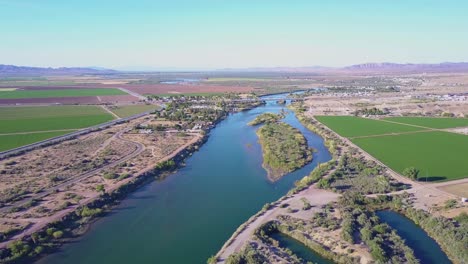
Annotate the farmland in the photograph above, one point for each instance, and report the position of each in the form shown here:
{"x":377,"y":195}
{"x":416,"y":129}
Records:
{"x":129,"y":110}
{"x":439,"y":155}
{"x":157,"y":89}
{"x":349,"y":126}
{"x":432,"y":122}
{"x":17,"y":94}
{"x":16,"y":140}
{"x":20,"y":125}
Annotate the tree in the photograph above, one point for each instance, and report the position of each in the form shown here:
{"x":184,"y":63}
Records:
{"x":57,"y":234}
{"x":411,"y":173}
{"x":323,"y":183}
{"x":100,"y":188}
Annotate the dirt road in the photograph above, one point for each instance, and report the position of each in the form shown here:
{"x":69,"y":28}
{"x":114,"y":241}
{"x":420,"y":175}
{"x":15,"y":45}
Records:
{"x":316,"y":198}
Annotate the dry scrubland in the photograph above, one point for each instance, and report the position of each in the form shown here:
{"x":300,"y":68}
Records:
{"x":45,"y":184}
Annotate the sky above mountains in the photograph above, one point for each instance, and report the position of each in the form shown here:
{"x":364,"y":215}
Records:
{"x":230,"y":34}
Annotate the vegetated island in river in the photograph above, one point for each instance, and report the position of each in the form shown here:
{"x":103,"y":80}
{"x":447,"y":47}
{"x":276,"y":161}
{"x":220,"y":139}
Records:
{"x":266,"y":118}
{"x":284,"y":149}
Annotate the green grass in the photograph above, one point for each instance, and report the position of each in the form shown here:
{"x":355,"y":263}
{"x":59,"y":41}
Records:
{"x":439,"y":155}
{"x":432,"y":122}
{"x":350,"y":126}
{"x":29,"y":119}
{"x":14,"y":141}
{"x":129,"y":110}
{"x":59,"y":93}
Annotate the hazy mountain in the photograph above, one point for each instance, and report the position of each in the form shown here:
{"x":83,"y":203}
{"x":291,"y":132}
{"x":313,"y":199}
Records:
{"x":366,"y":68}
{"x":408,"y":67}
{"x":12,"y":70}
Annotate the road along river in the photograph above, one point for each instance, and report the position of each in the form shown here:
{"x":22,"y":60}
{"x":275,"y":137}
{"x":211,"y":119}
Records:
{"x":187,"y":217}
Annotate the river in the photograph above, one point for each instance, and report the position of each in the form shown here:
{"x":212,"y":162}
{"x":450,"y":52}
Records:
{"x":187,"y":217}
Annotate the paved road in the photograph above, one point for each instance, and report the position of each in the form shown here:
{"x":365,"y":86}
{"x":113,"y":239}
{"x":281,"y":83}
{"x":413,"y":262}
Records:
{"x":137,"y":95}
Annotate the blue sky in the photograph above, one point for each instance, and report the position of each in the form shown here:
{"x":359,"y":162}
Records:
{"x":236,"y":33}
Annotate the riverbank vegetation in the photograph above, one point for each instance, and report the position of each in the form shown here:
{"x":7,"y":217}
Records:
{"x":354,"y":173}
{"x":266,"y":118}
{"x":336,"y":233}
{"x":360,"y":224}
{"x":450,"y":234}
{"x":284,"y":149}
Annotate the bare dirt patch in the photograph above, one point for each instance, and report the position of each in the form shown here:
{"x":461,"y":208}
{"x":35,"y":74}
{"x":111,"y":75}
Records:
{"x":460,"y":189}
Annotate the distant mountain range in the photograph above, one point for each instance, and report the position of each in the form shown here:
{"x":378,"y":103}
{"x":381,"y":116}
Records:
{"x":366,"y":68}
{"x":385,"y":67}
{"x":408,"y":67}
{"x":12,"y":70}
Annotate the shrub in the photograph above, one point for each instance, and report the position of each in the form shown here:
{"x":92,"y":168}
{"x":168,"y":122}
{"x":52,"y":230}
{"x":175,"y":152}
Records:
{"x":411,"y":173}
{"x":57,"y":234}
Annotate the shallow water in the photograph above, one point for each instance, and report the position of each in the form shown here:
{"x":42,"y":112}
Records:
{"x":299,"y":249}
{"x":187,"y":217}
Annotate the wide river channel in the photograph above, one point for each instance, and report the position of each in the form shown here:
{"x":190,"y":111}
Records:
{"x":187,"y":217}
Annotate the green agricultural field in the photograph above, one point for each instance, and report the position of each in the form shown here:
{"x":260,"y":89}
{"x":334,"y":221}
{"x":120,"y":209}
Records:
{"x":129,"y":110}
{"x":438,"y":155}
{"x":29,"y":119}
{"x":13,"y":141}
{"x":26,"y":125}
{"x":17,"y":94}
{"x":351,"y":126}
{"x":432,"y":122}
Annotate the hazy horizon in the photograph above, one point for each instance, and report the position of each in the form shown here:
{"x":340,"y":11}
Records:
{"x":213,"y":34}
